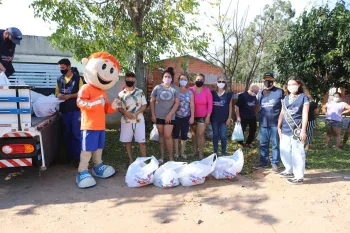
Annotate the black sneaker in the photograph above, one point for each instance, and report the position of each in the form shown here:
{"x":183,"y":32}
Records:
{"x":260,"y":166}
{"x":286,"y":175}
{"x":295,"y":181}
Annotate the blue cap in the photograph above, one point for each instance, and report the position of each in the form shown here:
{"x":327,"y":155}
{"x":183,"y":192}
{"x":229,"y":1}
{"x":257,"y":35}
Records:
{"x":16,"y":35}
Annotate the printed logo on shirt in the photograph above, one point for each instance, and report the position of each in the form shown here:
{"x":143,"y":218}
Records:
{"x":219,"y":103}
{"x":68,"y":90}
{"x":293,"y":111}
{"x":268,"y":104}
{"x":251,"y":104}
{"x":166,"y":95}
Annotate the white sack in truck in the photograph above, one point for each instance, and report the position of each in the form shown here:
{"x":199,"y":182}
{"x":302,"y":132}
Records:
{"x":4,"y":81}
{"x":46,"y":105}
{"x":34,"y":96}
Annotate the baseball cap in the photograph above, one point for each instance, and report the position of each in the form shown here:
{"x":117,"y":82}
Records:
{"x":269,"y":75}
{"x":16,"y":35}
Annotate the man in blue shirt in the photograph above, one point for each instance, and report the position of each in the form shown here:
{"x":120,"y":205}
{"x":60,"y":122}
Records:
{"x":270,"y":106}
{"x":245,"y":112}
{"x":9,"y":38}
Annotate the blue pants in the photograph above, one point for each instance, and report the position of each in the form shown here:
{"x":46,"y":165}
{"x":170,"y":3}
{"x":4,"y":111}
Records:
{"x":219,"y":129}
{"x":267,"y":135}
{"x":71,"y":127}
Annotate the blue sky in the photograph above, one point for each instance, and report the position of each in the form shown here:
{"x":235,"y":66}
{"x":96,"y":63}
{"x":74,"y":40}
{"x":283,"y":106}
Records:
{"x":18,"y":14}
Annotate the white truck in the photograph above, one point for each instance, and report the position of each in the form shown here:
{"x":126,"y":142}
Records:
{"x":27,"y":140}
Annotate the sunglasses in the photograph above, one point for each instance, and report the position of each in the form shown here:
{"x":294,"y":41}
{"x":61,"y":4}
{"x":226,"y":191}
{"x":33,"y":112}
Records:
{"x":221,"y":81}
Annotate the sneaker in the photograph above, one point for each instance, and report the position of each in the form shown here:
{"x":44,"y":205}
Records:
{"x":184,"y":156}
{"x":286,"y":175}
{"x":103,"y":171}
{"x":295,"y":181}
{"x":85,"y":180}
{"x":176,"y":156}
{"x":275,"y":168}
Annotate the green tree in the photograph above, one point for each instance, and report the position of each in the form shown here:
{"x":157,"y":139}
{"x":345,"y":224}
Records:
{"x":260,"y":41}
{"x":135,"y":31}
{"x":317,"y":49}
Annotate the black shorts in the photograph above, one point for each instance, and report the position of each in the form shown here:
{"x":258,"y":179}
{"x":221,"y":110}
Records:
{"x":162,"y":122}
{"x":199,"y":120}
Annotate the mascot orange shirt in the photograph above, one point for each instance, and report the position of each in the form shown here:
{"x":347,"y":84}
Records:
{"x":101,"y":73}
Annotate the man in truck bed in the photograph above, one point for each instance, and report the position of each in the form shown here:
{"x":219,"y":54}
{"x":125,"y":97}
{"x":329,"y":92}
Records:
{"x":67,"y":88}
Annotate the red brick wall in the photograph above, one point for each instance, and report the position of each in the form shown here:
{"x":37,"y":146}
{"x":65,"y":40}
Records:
{"x":194,"y":66}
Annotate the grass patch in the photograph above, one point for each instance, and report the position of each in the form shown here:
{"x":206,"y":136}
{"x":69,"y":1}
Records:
{"x":322,"y":157}
{"x":319,"y":157}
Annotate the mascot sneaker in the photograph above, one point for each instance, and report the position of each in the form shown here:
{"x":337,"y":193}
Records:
{"x":85,"y":180}
{"x":103,"y":171}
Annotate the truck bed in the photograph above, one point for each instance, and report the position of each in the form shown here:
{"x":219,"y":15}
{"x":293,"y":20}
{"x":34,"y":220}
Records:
{"x":39,"y":122}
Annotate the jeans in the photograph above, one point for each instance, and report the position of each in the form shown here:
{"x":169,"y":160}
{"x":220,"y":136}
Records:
{"x":252,"y":128}
{"x":267,"y":135}
{"x":219,"y":128}
{"x":71,"y":127}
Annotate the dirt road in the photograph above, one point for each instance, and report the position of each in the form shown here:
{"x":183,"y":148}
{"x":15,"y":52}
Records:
{"x":267,"y":203}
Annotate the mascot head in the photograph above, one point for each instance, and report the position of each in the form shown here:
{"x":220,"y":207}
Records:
{"x":101,"y":70}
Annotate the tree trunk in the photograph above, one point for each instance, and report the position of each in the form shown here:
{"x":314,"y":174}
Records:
{"x":139,"y":55}
{"x":140,"y":71}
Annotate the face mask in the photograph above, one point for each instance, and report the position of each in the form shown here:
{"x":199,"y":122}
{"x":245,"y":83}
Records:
{"x":167,"y":80}
{"x":335,"y":99}
{"x":64,"y":72}
{"x":129,"y":83}
{"x":183,"y":83}
{"x":268,"y":83}
{"x":220,"y":85}
{"x":199,"y":83}
{"x":293,"y":89}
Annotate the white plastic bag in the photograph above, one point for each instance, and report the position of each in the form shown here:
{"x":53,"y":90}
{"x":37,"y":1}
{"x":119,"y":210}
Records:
{"x":4,"y":81}
{"x":237,"y":134}
{"x":228,"y":167}
{"x":140,"y":173}
{"x":46,"y":105}
{"x":154,"y":136}
{"x":195,"y":172}
{"x":34,"y":96}
{"x":167,"y":175}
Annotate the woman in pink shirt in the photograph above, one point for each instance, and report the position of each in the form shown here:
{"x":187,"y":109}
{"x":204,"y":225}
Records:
{"x":203,"y":105}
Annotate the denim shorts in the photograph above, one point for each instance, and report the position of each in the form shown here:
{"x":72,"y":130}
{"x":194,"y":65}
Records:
{"x":334,"y":124}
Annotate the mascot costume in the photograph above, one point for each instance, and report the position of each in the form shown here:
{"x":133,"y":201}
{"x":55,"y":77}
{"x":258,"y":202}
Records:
{"x":101,"y":73}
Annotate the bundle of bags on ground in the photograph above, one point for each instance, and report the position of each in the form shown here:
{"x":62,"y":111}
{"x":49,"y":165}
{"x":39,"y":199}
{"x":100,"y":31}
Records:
{"x":145,"y":170}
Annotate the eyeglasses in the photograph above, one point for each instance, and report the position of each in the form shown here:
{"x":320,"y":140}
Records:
{"x":221,"y":81}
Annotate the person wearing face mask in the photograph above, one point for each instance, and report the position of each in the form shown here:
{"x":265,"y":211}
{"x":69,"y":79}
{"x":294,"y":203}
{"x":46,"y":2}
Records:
{"x":184,"y":117}
{"x":131,"y":103}
{"x":203,"y":106}
{"x":221,"y":116}
{"x":245,"y":110}
{"x":8,"y":40}
{"x":67,"y":88}
{"x":165,"y":100}
{"x":292,"y":124}
{"x":269,"y":101}
{"x":334,"y":121}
